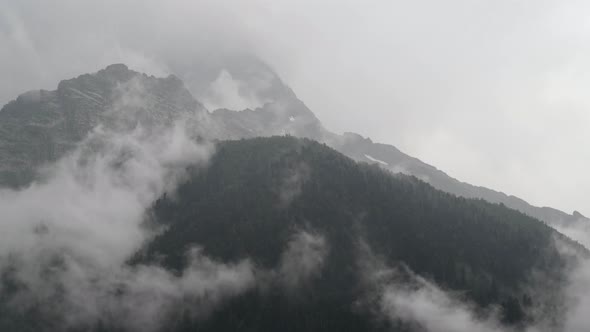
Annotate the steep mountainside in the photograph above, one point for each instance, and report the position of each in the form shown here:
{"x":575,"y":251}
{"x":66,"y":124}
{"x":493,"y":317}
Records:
{"x":320,"y":237}
{"x":389,"y":157}
{"x":257,"y":194}
{"x":314,"y":225}
{"x":285,"y":113}
{"x":40,"y":126}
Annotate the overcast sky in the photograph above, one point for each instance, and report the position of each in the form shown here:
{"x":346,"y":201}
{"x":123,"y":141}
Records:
{"x":493,"y":92}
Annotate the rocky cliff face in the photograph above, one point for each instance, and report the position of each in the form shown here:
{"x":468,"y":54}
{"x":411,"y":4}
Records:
{"x":40,"y":126}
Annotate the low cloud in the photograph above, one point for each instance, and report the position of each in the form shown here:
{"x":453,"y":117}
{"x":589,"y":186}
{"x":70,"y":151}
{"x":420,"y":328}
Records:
{"x":135,"y":298}
{"x":423,"y":304}
{"x":577,"y":318}
{"x":292,"y":183}
{"x":401,"y":296}
{"x":577,"y":230}
{"x":233,"y":94}
{"x":302,"y":259}
{"x":66,"y":239}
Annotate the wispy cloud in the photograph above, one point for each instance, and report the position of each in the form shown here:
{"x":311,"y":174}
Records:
{"x":65,"y":240}
{"x":302,"y":259}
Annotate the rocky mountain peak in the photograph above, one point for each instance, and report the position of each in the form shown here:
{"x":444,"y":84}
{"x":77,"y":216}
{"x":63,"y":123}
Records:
{"x":40,"y":126}
{"x":116,"y":68}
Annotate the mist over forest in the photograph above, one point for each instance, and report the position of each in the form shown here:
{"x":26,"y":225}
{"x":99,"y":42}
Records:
{"x":294,"y":166}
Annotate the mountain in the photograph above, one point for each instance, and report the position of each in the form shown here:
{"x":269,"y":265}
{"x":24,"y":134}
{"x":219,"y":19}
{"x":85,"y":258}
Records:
{"x":486,"y":250}
{"x":41,"y":126}
{"x":325,"y":221}
{"x":280,"y":112}
{"x":284,"y":113}
{"x":389,"y":157}
{"x":325,"y":235}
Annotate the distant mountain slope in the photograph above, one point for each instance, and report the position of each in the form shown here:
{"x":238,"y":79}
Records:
{"x":363,"y":149}
{"x":40,"y":126}
{"x":237,"y":209}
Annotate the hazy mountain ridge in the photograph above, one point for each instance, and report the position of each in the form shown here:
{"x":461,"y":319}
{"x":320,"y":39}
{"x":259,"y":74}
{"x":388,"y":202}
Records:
{"x":287,"y":114}
{"x":487,"y":251}
{"x":40,"y":126}
{"x":359,"y":148}
{"x":275,"y":201}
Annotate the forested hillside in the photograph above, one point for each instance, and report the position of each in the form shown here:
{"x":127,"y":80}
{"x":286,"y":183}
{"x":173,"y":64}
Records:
{"x":257,"y":193}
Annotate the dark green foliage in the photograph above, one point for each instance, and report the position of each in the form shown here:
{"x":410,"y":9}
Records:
{"x":257,"y":193}
{"x":234,"y":210}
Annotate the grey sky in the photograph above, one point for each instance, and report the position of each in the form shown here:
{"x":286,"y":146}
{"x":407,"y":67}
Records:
{"x":492,"y":92}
